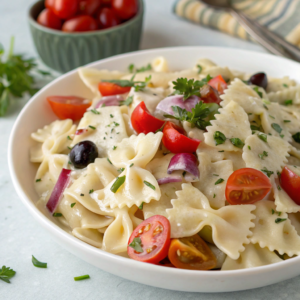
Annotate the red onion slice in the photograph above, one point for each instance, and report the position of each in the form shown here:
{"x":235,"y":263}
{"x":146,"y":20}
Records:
{"x":57,"y":193}
{"x":167,"y":103}
{"x":186,"y":162}
{"x":81,"y":131}
{"x":110,"y":101}
{"x":169,"y":179}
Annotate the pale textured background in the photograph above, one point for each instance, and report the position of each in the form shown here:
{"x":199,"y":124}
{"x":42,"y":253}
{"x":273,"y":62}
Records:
{"x":21,"y":236}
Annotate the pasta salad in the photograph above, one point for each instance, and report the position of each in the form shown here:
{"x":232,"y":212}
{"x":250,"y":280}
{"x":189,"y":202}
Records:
{"x":194,"y":169}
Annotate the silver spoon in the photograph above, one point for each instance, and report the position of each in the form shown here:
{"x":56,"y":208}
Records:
{"x":268,"y":39}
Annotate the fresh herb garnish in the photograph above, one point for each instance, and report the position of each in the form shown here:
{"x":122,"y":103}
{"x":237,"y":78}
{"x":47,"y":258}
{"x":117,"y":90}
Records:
{"x":38,"y":264}
{"x":111,"y":115}
{"x":220,"y":180}
{"x":117,"y":184}
{"x":261,"y":156}
{"x":38,"y":180}
{"x":271,"y":117}
{"x":273,"y":211}
{"x":132,"y":68}
{"x":256,"y":89}
{"x":214,"y":196}
{"x":121,"y":170}
{"x":276,"y":127}
{"x":109,"y":161}
{"x":279,"y":220}
{"x":279,"y":213}
{"x":127,"y":102}
{"x":254,"y":127}
{"x":282,"y":136}
{"x":6,"y":273}
{"x":149,"y":185}
{"x":91,"y":191}
{"x":114,"y":147}
{"x":189,"y":87}
{"x":116,"y":124}
{"x":285,"y":85}
{"x":73,"y":204}
{"x":92,"y":127}
{"x":296,"y":137}
{"x":94,"y":111}
{"x":268,"y":173}
{"x":57,"y":215}
{"x":215,"y":175}
{"x":81,"y":277}
{"x":136,"y":244}
{"x":221,"y":151}
{"x":262,"y":136}
{"x":288,"y":102}
{"x":140,"y":85}
{"x":141,"y":206}
{"x":219,"y":138}
{"x":278,"y":187}
{"x":69,"y":138}
{"x":265,"y":106}
{"x":82,"y":195}
{"x":286,"y":121}
{"x":131,"y":165}
{"x":249,"y":147}
{"x":199,"y":69}
{"x":69,"y":162}
{"x":237,"y":142}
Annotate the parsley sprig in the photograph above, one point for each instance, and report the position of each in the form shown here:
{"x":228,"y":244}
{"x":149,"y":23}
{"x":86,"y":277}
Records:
{"x":6,"y":273}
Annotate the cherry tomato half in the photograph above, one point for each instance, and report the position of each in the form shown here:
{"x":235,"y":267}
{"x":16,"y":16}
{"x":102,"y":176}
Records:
{"x":125,"y":9}
{"x":152,"y":237}
{"x":191,"y":253}
{"x":64,"y":9}
{"x":69,"y":107}
{"x":110,"y":89}
{"x":143,"y":122}
{"x":89,"y":7}
{"x":209,"y":94}
{"x":290,"y":182}
{"x":218,"y":83}
{"x":175,"y":140}
{"x":247,"y":186}
{"x":80,"y":23}
{"x":48,"y":19}
{"x":107,"y":18}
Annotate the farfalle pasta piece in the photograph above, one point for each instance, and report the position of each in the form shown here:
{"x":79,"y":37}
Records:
{"x":289,"y":93}
{"x":283,"y":201}
{"x":136,"y":150}
{"x":53,"y":138}
{"x":295,"y":220}
{"x":105,"y":129}
{"x":267,"y":153}
{"x":210,"y":174}
{"x":230,"y":224}
{"x":253,"y":256}
{"x":279,"y":84}
{"x":139,"y":186}
{"x":83,"y":190}
{"x":89,"y":236}
{"x":214,"y":71}
{"x":233,"y":123}
{"x":274,"y":230}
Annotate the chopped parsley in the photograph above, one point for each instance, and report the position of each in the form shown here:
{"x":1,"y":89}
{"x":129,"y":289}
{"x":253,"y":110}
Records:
{"x":276,"y":127}
{"x":199,"y":69}
{"x":220,"y":180}
{"x":237,"y":142}
{"x":94,"y":111}
{"x":261,"y":156}
{"x":91,"y":191}
{"x":128,"y":101}
{"x":82,"y":195}
{"x":214,"y":196}
{"x":93,"y":127}
{"x":286,"y":121}
{"x":73,"y":204}
{"x":116,"y":124}
{"x":249,"y":147}
{"x":69,"y":148}
{"x":221,"y":151}
{"x":83,"y":277}
{"x":109,"y":161}
{"x":111,"y":115}
{"x":279,"y":213}
{"x":57,"y":215}
{"x":133,"y":69}
{"x":141,"y":206}
{"x":278,"y":187}
{"x":114,"y":147}
{"x":273,"y":211}
{"x":271,"y":117}
{"x":279,"y":220}
{"x":254,"y":127}
{"x":285,"y":85}
{"x":256,"y":89}
{"x":38,"y":180}
{"x":136,"y":244}
{"x":6,"y":273}
{"x":288,"y":102}
{"x":267,"y":172}
{"x":131,"y":165}
{"x":219,"y":138}
{"x":69,"y":162}
{"x":265,"y":106}
{"x":149,"y":185}
{"x":282,"y":136}
{"x":296,"y":137}
{"x":121,"y":170}
{"x":117,"y":184}
{"x":38,"y":264}
{"x":215,"y":175}
{"x":262,"y":136}
{"x":69,"y":138}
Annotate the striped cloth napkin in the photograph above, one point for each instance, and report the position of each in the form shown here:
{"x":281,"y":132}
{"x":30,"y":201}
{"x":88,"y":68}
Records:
{"x":280,"y":16}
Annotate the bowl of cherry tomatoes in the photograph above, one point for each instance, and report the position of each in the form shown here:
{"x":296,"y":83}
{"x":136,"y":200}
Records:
{"x":70,"y":33}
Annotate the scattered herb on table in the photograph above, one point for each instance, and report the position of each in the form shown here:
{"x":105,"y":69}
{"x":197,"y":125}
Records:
{"x":83,"y":277}
{"x":38,"y":264}
{"x":6,"y":273}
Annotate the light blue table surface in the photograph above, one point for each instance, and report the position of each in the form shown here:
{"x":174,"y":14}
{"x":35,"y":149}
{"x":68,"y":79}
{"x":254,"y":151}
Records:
{"x":21,"y":236}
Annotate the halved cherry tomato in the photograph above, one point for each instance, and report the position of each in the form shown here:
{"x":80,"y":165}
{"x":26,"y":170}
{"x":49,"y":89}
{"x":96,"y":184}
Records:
{"x":209,"y":94}
{"x":89,"y":7}
{"x":64,"y":9}
{"x":191,"y":253}
{"x":109,"y":89}
{"x":143,"y":122}
{"x":107,"y":18}
{"x":125,"y":9}
{"x":290,"y":182}
{"x":48,"y":19}
{"x":247,"y":186}
{"x":218,"y":83}
{"x":80,"y":23}
{"x":69,"y":107}
{"x":153,"y":238}
{"x":175,"y":140}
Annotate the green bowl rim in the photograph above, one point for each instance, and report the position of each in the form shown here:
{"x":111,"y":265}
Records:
{"x":34,"y":23}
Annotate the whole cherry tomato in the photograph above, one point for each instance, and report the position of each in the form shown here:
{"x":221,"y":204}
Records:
{"x":69,"y":107}
{"x":89,"y":7}
{"x":125,"y":9}
{"x":218,"y":83}
{"x":143,"y":122}
{"x":247,"y":186}
{"x":175,"y":140}
{"x":64,"y":9}
{"x":48,"y":19}
{"x":191,"y":253}
{"x":80,"y":23}
{"x":150,"y":241}
{"x":109,"y":89}
{"x":290,"y":182}
{"x":107,"y":18}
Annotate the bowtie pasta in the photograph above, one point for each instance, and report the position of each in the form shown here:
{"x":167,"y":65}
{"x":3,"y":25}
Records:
{"x":207,"y":153}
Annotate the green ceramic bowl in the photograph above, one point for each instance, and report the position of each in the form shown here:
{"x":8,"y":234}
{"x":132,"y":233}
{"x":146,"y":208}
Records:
{"x":63,"y":51}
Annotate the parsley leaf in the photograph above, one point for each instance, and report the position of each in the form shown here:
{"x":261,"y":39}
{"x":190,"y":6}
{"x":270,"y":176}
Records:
{"x":127,"y":102}
{"x":219,"y":138}
{"x":279,"y":220}
{"x":256,"y":89}
{"x":288,"y":102}
{"x":38,"y":264}
{"x":285,"y":85}
{"x":237,"y":142}
{"x":132,"y":68}
{"x":276,"y":127}
{"x":296,"y":137}
{"x":149,"y":185}
{"x":268,"y":173}
{"x":262,"y":136}
{"x":121,"y":82}
{"x":136,"y":244}
{"x":6,"y":273}
{"x":220,"y":180}
{"x":141,"y":206}
{"x":199,"y":69}
{"x":261,"y":156}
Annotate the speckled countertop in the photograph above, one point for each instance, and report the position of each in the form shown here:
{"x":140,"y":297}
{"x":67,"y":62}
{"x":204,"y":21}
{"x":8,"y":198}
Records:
{"x":21,"y":236}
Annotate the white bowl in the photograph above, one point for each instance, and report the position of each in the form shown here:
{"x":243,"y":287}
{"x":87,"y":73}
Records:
{"x":36,"y":114}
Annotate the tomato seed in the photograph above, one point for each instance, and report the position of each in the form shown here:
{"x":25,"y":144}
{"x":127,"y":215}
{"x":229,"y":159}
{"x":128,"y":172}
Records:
{"x":178,"y":252}
{"x":147,"y":227}
{"x":158,"y":230}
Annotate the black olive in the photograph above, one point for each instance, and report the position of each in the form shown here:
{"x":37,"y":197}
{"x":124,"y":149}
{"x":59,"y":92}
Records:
{"x":259,"y":79}
{"x":83,"y":154}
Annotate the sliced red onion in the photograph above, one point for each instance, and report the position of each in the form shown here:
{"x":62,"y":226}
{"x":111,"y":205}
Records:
{"x":110,"y":100}
{"x":177,"y":100}
{"x":169,"y":179}
{"x":81,"y":131}
{"x":186,"y":162}
{"x":57,"y":193}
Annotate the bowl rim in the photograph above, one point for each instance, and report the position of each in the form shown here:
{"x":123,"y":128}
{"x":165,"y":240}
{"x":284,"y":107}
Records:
{"x":127,"y":23}
{"x":129,"y":263}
